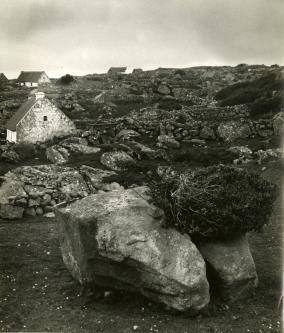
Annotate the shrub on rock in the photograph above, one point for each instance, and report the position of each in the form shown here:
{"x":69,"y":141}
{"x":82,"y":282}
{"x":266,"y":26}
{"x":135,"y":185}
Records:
{"x":218,"y":202}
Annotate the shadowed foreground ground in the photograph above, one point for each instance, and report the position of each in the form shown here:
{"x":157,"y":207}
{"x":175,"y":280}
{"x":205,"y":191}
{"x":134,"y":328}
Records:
{"x":38,"y":294}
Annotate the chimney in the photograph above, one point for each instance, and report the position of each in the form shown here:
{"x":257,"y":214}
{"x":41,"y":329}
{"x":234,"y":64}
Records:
{"x":39,"y":95}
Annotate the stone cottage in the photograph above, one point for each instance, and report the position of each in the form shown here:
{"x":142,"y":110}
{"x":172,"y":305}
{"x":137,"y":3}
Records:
{"x":114,"y":71}
{"x":38,"y":120}
{"x":32,"y":79}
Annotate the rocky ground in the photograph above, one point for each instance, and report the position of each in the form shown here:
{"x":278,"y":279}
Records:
{"x":130,"y":126}
{"x":38,"y":293}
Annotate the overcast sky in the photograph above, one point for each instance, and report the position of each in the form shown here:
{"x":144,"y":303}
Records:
{"x":88,"y":36}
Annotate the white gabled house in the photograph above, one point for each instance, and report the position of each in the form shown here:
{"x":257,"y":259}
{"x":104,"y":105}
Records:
{"x":38,"y":120}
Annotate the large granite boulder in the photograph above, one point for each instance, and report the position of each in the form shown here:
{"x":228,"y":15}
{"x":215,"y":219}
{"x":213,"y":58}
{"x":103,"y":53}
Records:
{"x":233,"y":265}
{"x":116,"y":240}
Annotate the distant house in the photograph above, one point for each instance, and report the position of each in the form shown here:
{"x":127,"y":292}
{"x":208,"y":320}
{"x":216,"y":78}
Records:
{"x":116,"y":71}
{"x":3,"y":79}
{"x":38,"y":120}
{"x":32,"y":79}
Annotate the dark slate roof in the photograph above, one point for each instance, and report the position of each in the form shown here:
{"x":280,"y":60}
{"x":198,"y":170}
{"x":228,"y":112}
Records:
{"x":3,"y":78}
{"x":22,"y":111}
{"x":30,"y":76}
{"x":116,"y":70}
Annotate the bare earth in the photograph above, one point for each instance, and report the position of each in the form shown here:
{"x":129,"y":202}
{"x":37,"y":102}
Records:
{"x":38,"y":294}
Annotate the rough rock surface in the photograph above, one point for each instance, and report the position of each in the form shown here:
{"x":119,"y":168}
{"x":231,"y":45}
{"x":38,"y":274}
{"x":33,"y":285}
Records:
{"x":116,"y":240}
{"x":116,"y":160}
{"x":232,"y":130}
{"x":233,"y":265}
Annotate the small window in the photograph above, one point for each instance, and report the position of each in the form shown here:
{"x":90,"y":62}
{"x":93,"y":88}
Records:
{"x":44,"y":118}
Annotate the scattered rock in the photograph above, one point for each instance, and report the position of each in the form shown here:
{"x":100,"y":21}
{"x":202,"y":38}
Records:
{"x":127,"y":134}
{"x":196,"y":141}
{"x":56,"y":156}
{"x":232,"y":130}
{"x":117,"y":160}
{"x":168,"y":141}
{"x":39,"y":211}
{"x":207,"y":133}
{"x":30,"y":211}
{"x":95,"y":177}
{"x":10,"y":156}
{"x":163,"y":89}
{"x":49,"y":215}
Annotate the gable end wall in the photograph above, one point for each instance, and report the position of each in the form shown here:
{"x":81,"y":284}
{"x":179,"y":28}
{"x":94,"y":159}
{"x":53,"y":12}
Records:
{"x":33,"y":128}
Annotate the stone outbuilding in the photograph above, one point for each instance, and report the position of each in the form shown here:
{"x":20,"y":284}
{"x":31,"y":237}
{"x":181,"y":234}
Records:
{"x":38,"y":120}
{"x":32,"y":79}
{"x":113,"y":71}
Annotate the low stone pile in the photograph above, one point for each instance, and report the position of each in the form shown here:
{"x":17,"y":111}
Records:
{"x":205,"y":123}
{"x":7,"y":154}
{"x":35,"y":190}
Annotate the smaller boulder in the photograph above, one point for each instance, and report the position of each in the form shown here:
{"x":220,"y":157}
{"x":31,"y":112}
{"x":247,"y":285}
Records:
{"x":233,"y":266}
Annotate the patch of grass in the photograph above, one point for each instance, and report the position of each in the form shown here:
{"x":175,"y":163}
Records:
{"x":264,"y":94}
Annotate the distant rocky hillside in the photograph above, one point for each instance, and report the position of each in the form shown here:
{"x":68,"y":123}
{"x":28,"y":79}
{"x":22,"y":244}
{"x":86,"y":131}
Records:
{"x":200,"y":91}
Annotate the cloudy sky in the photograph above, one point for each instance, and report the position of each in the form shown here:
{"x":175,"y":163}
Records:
{"x":88,"y":36}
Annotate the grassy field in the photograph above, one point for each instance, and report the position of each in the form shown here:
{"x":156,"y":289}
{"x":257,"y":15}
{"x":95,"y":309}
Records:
{"x":37,"y":292}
